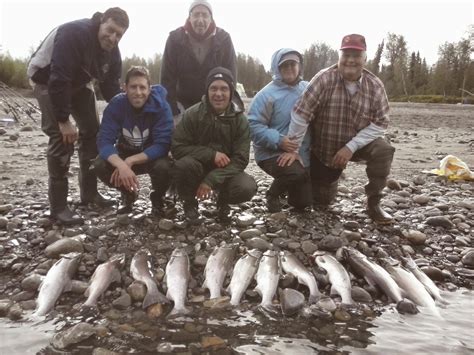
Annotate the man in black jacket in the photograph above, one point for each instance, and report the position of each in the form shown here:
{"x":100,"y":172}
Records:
{"x":62,"y":70}
{"x":191,"y":51}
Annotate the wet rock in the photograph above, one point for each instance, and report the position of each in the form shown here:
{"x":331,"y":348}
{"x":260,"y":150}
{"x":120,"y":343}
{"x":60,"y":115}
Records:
{"x":3,"y":222}
{"x":245,"y":220}
{"x":5,"y":307}
{"x":102,"y":255}
{"x":454,"y":258}
{"x":94,"y":231}
{"x":73,"y":335}
{"x":462,"y":241}
{"x":23,"y":296}
{"x":79,"y":287}
{"x":165,"y":224}
{"x":28,"y":305}
{"x":407,"y":250}
{"x":123,"y":220}
{"x":200,"y":260}
{"x":103,"y":351}
{"x":31,"y":282}
{"x":468,"y":259}
{"x":123,"y":302}
{"x":315,"y":311}
{"x":63,"y":246}
{"x":308,"y":247}
{"x":43,"y":222}
{"x":421,"y":199}
{"x":327,"y":304}
{"x":407,"y":306}
{"x":258,"y":243}
{"x":353,"y":225}
{"x":212,"y":342}
{"x":416,"y":237}
{"x":250,"y":233}
{"x":291,"y":301}
{"x":330,"y":243}
{"x":419,"y":180}
{"x":137,"y":291}
{"x":351,"y":236}
{"x":154,"y":311}
{"x":15,"y":312}
{"x":427,"y":251}
{"x":433,"y":273}
{"x":439,"y":221}
{"x":6,"y":208}
{"x":360,"y":295}
{"x":393,"y":184}
{"x":52,"y":236}
{"x":342,"y":315}
{"x":467,"y":204}
{"x":218,"y":302}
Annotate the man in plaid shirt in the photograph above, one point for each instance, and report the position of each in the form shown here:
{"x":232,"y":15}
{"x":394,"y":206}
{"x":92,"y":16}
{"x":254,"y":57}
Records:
{"x":346,"y":109}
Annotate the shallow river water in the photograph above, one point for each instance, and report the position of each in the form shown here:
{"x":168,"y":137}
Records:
{"x":248,"y":332}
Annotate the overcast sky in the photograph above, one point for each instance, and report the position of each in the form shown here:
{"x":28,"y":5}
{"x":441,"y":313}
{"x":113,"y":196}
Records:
{"x":257,"y":27}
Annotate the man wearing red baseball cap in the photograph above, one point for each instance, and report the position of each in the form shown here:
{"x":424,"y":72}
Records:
{"x":346,"y":108}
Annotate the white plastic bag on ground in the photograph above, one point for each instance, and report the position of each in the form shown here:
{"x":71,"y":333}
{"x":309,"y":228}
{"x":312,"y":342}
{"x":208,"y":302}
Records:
{"x":453,"y":168}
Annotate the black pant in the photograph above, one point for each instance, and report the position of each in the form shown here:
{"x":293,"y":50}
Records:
{"x":293,"y":179}
{"x":84,"y":112}
{"x":158,"y":170}
{"x":378,"y":156}
{"x":188,"y":173}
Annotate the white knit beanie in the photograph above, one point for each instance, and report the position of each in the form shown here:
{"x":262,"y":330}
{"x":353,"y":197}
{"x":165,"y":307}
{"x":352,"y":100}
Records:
{"x":200,"y":2}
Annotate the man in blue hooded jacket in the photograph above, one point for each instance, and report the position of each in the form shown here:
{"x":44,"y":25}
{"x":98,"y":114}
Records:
{"x":62,"y":70}
{"x":269,"y":118}
{"x":134,"y":138}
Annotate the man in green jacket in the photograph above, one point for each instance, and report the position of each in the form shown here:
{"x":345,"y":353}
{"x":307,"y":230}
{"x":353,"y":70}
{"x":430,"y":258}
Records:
{"x":211,"y":146}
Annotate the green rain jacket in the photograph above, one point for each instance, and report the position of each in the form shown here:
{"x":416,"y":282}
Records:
{"x":201,"y":134}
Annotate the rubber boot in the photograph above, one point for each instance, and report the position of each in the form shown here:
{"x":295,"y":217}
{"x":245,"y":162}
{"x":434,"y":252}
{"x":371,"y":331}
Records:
{"x":128,"y":199}
{"x":376,"y":212}
{"x":58,"y":190}
{"x":88,"y":187}
{"x":324,"y":194}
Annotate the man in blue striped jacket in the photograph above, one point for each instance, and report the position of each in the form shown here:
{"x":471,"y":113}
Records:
{"x":61,"y":71}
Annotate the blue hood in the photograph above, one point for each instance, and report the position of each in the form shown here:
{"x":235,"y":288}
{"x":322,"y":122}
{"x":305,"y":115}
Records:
{"x":276,"y":76}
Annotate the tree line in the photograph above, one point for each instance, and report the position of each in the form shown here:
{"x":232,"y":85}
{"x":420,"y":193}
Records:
{"x":405,"y":74}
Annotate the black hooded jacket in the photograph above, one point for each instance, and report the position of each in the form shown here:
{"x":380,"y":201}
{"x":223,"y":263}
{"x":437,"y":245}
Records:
{"x":183,"y":76}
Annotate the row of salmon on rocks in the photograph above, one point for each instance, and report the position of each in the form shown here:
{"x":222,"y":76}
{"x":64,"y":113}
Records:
{"x":407,"y":286}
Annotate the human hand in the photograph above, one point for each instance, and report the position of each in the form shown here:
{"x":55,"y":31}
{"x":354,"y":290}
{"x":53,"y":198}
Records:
{"x":203,"y":192}
{"x":286,"y":159}
{"x":287,"y":144}
{"x":124,"y":176}
{"x":341,"y":158}
{"x":68,"y":131}
{"x":221,"y":160}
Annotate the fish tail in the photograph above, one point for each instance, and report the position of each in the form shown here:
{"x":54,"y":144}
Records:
{"x":179,"y":311}
{"x":153,"y":297}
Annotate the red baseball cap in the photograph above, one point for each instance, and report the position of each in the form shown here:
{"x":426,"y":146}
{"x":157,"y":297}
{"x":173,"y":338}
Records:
{"x":354,"y":41}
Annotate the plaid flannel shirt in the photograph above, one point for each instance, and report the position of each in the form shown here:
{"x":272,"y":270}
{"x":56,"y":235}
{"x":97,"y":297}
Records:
{"x":334,"y":116}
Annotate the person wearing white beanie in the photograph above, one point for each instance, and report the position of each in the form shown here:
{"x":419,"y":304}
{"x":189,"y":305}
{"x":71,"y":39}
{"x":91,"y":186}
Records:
{"x":191,"y":51}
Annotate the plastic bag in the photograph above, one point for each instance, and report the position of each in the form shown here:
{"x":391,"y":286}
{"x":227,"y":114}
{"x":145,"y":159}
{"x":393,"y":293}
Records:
{"x":453,"y":168}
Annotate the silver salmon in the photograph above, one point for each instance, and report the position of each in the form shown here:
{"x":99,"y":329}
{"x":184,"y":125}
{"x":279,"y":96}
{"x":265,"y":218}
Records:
{"x":291,"y":265}
{"x":177,"y":277}
{"x":267,"y":278}
{"x":338,"y":276}
{"x":242,"y":276}
{"x":140,"y":271}
{"x":57,"y":280}
{"x":218,"y":266}
{"x":424,"y":279}
{"x":103,"y":276}
{"x":412,"y":287}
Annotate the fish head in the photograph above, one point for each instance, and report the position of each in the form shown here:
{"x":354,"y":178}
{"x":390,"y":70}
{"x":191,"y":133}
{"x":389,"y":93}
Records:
{"x":255,"y":253}
{"x":73,"y":257}
{"x":352,"y":253}
{"x":118,"y":260}
{"x":179,"y":252}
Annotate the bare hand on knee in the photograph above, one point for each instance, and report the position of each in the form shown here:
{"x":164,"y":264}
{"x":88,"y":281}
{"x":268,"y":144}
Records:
{"x":341,"y":158}
{"x":68,"y":131}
